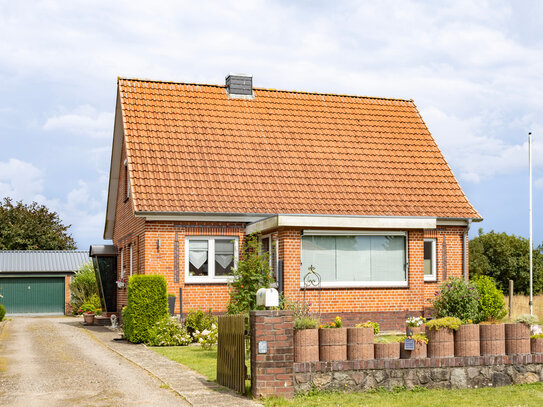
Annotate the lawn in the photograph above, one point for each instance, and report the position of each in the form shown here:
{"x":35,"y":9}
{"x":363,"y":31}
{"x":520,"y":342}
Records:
{"x":194,"y":357}
{"x":520,"y":395}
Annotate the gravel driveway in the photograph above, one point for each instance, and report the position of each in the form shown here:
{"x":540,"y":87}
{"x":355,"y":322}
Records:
{"x":55,"y":362}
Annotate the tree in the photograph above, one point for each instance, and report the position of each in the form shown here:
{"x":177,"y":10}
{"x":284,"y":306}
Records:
{"x":32,"y":227}
{"x":506,"y":257}
{"x":253,"y":272}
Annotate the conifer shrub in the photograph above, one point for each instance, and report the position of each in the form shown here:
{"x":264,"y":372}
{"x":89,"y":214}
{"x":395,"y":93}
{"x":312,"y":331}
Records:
{"x":147,"y":304}
{"x":2,"y":312}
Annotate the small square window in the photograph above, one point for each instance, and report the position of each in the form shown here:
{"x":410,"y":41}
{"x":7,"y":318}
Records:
{"x":430,"y":260}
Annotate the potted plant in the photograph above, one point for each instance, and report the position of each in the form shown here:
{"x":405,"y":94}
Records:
{"x":467,"y":340}
{"x":171,"y":303}
{"x":492,"y":337}
{"x":517,"y":335}
{"x":440,"y":336}
{"x":420,"y":351}
{"x":360,"y":340}
{"x":387,"y":347}
{"x":306,"y":339}
{"x":536,"y":343}
{"x":88,"y":311}
{"x":414,"y":325}
{"x":333,"y":341}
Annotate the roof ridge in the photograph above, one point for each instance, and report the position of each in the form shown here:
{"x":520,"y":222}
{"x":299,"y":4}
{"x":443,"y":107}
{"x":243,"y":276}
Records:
{"x":301,"y":92}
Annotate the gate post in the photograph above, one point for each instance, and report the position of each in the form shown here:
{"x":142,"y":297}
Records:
{"x":272,"y":353}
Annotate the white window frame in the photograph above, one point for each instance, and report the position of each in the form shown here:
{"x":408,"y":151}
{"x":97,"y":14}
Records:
{"x":131,"y":259}
{"x":357,"y":284}
{"x":275,"y":247}
{"x":210,"y":278}
{"x":433,"y":276}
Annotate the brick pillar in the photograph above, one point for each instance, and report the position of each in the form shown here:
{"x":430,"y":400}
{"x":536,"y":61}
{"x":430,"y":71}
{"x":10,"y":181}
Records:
{"x":272,"y":371}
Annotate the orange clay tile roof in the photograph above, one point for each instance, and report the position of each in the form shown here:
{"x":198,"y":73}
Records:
{"x":192,"y":149}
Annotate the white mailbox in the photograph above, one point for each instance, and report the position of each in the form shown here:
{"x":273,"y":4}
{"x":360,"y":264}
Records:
{"x":268,"y":297}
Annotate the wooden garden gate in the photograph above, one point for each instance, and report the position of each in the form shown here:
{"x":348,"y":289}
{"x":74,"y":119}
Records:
{"x":231,"y":370}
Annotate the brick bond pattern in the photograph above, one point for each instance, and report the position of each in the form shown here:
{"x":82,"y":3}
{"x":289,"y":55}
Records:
{"x":275,"y":373}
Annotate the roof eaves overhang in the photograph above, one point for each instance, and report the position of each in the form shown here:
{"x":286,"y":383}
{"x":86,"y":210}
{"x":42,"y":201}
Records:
{"x":114,"y":170}
{"x":340,"y":221}
{"x":202,"y":216}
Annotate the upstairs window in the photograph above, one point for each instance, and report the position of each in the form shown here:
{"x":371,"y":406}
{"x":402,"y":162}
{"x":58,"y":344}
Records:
{"x":210,"y":259}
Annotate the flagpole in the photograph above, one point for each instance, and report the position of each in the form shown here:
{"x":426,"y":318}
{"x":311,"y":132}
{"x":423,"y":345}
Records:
{"x":531,"y":237}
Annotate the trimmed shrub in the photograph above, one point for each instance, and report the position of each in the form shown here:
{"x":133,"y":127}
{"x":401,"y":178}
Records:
{"x":2,"y":312}
{"x":491,"y":302}
{"x":457,"y":298}
{"x":198,"y":321}
{"x":83,"y":286}
{"x":446,"y":322}
{"x":147,"y":304}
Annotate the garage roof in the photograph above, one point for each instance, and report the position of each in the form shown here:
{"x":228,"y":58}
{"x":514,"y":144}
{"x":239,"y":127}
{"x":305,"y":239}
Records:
{"x":42,"y":260}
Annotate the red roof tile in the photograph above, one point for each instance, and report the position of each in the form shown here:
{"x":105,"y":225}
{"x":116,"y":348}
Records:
{"x":192,"y":149}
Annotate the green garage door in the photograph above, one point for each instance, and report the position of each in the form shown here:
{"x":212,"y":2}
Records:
{"x":33,"y":295}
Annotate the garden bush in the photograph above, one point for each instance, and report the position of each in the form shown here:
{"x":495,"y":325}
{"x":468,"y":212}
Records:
{"x":147,"y":304}
{"x":253,"y":272}
{"x":457,"y":298}
{"x":92,"y":304}
{"x":445,"y":322}
{"x":83,"y":286}
{"x":491,"y":302}
{"x":168,"y":332}
{"x":208,"y":337}
{"x":198,"y":321}
{"x":2,"y":312}
{"x":369,"y":324}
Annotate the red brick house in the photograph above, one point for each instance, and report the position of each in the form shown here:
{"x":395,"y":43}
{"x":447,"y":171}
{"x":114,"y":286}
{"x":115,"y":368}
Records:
{"x":355,"y":186}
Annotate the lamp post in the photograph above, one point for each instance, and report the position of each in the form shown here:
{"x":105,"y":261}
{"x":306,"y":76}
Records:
{"x":531,"y":238}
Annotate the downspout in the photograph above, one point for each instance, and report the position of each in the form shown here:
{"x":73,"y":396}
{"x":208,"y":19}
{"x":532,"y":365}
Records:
{"x":465,"y":254}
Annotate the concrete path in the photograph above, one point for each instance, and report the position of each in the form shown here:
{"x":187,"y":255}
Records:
{"x":54,"y":362}
{"x":58,"y":362}
{"x":194,"y":387}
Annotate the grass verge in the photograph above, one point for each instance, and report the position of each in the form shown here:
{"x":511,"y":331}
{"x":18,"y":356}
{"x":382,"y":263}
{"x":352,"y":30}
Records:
{"x":194,"y":357}
{"x":509,"y":396}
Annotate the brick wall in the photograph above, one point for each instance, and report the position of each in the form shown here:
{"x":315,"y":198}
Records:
{"x":272,"y":372}
{"x":67,"y":307}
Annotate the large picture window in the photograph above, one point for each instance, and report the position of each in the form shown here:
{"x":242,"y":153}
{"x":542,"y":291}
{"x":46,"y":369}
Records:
{"x":345,"y":260}
{"x":210,"y":259}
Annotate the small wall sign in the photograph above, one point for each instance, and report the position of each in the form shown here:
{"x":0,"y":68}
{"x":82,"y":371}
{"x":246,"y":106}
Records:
{"x":262,"y":347}
{"x":409,"y":344}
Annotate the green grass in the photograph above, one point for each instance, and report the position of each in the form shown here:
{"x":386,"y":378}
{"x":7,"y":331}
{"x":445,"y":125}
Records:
{"x":509,"y":396}
{"x":194,"y":357}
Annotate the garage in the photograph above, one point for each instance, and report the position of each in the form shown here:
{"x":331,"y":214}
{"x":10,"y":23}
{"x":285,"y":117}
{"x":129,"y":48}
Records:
{"x":37,"y":282}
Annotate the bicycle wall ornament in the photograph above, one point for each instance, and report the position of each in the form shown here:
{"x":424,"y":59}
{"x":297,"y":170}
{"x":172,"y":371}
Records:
{"x":312,"y":280}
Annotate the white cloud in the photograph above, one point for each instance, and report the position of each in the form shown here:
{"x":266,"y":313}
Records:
{"x":20,"y":180}
{"x":84,"y":120}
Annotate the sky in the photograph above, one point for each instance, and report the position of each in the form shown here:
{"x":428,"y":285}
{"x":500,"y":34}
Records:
{"x":473,"y":68}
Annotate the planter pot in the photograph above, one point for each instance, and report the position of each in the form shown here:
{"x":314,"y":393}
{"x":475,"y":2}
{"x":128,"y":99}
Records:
{"x":420,"y":351}
{"x":517,"y":339}
{"x":306,"y":345}
{"x":440,"y":343}
{"x":332,"y":344}
{"x":89,"y":319}
{"x":467,"y":341}
{"x":387,"y":350}
{"x":536,"y":345}
{"x":171,"y":305}
{"x":360,"y":343}
{"x":492,"y":339}
{"x":414,"y":330}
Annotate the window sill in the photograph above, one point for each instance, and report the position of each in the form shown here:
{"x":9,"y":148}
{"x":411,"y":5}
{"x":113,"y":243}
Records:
{"x":430,"y":280}
{"x":364,"y":284}
{"x":209,"y":281}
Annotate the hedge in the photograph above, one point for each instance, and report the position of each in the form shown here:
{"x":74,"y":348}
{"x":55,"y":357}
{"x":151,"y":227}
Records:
{"x":147,"y":304}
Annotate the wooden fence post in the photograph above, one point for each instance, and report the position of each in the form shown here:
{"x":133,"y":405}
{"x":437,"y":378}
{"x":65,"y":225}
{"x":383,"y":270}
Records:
{"x":511,"y":287}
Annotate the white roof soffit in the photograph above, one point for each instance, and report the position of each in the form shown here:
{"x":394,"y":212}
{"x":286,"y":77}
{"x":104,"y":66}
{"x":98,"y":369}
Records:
{"x":114,"y":171}
{"x":341,"y":222}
